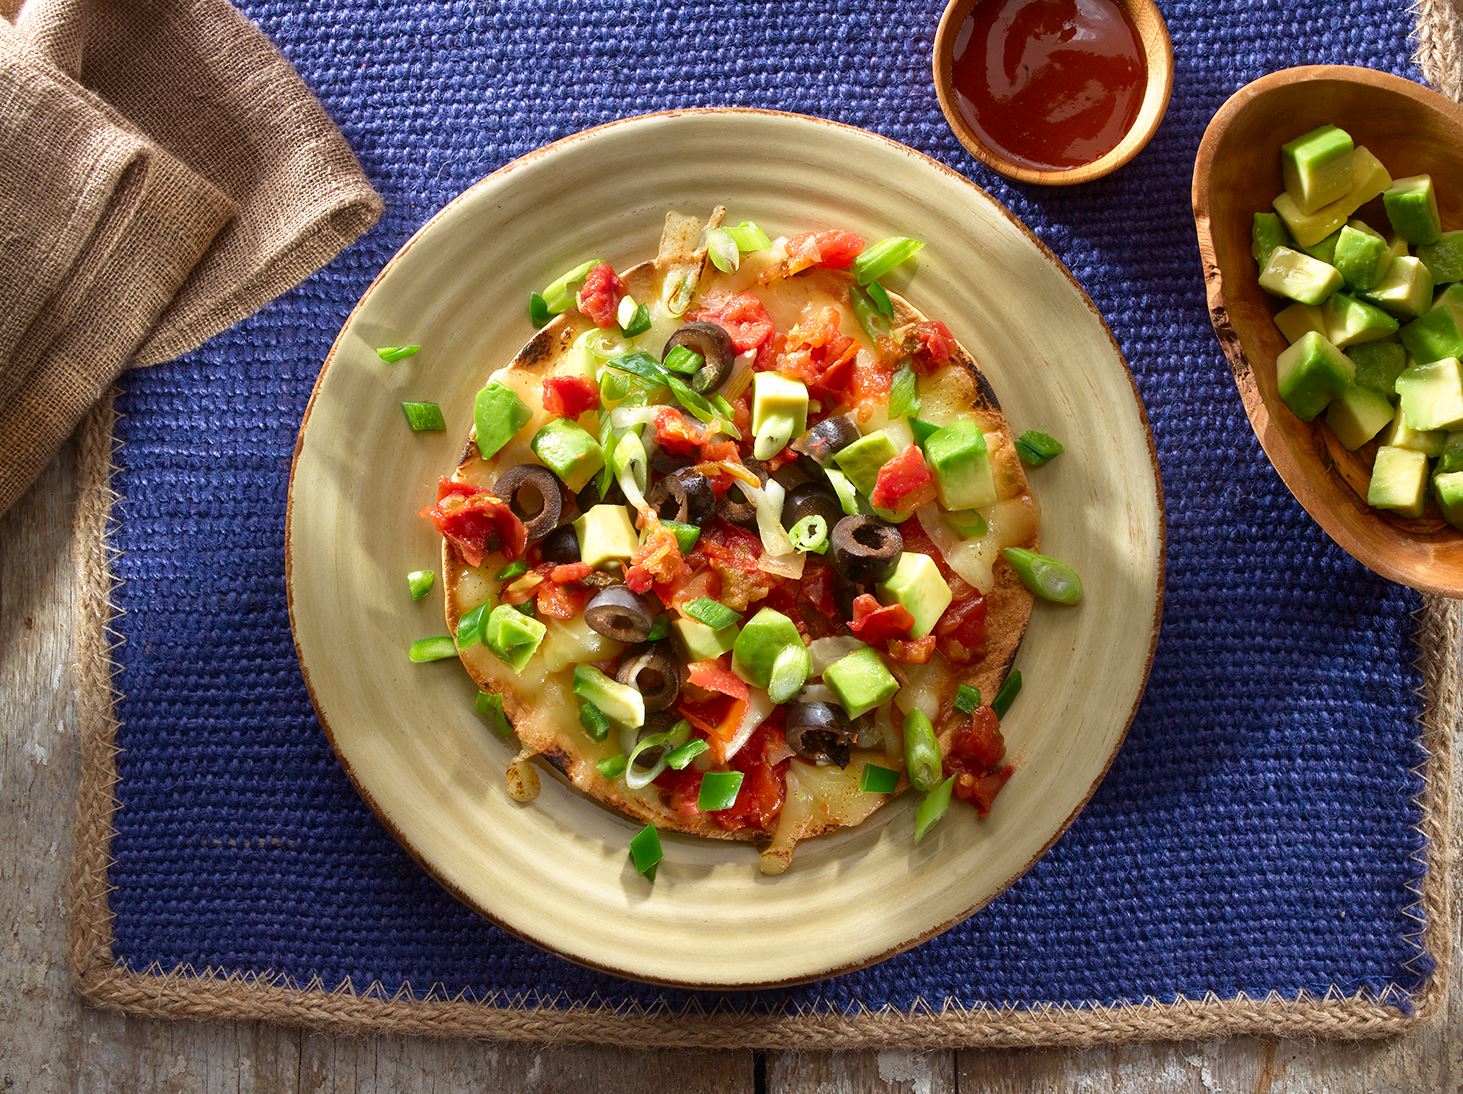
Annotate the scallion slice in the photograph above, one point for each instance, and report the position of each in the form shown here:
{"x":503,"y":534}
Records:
{"x":713,"y":613}
{"x":790,"y":670}
{"x":470,"y":625}
{"x":633,"y":318}
{"x":881,"y":300}
{"x":878,"y":260}
{"x":612,"y":767}
{"x":659,"y":628}
{"x":1007,"y":695}
{"x":678,"y":759}
{"x":661,"y":744}
{"x":723,"y":250}
{"x":878,"y":780}
{"x":874,"y":324}
{"x":594,"y":721}
{"x":718,"y":790}
{"x":517,"y":568}
{"x":967,"y":699}
{"x":489,"y":707}
{"x":420,"y":583}
{"x":559,"y":296}
{"x":538,"y":310}
{"x":932,"y":807}
{"x":1049,"y":578}
{"x":424,"y":417}
{"x":645,"y":851}
{"x":923,"y":759}
{"x":608,"y":442}
{"x":392,"y":354}
{"x":904,"y":392}
{"x":647,"y":368}
{"x":748,"y":237}
{"x":438,"y":648}
{"x":684,"y":360}
{"x":810,"y":534}
{"x":1036,"y":448}
{"x":921,"y":430}
{"x":686,"y":534}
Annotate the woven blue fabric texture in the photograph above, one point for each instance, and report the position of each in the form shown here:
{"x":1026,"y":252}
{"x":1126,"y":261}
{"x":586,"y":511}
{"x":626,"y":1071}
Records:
{"x":1257,"y":830}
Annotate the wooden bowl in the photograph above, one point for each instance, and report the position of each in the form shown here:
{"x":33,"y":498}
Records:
{"x":1412,"y":131}
{"x":1152,"y":33}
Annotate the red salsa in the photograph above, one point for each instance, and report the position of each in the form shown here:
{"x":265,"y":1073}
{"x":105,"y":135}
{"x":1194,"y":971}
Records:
{"x":1049,"y":83}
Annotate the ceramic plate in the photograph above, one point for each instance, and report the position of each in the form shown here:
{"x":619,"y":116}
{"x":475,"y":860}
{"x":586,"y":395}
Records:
{"x":556,"y":871}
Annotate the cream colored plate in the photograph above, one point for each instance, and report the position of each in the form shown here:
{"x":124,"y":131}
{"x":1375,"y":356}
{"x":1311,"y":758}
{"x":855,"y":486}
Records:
{"x":556,"y":872}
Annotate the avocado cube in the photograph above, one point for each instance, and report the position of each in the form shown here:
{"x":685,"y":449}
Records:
{"x":1399,"y":481}
{"x":1432,"y":395}
{"x":916,"y":583}
{"x":779,"y":412}
{"x":1412,"y":207}
{"x":1268,"y":233}
{"x":1324,"y":251}
{"x":511,"y":636}
{"x":497,"y":414}
{"x":1452,"y":295}
{"x":1296,"y":319}
{"x":1357,"y":415}
{"x":1448,"y":489}
{"x":1349,"y":320}
{"x":1362,"y":256}
{"x":1310,"y":374}
{"x":1405,"y":288}
{"x":1316,"y":167}
{"x":762,"y":640}
{"x":1299,"y":276}
{"x":1436,"y":335}
{"x":620,"y":703}
{"x":1444,"y":259}
{"x":860,"y":681}
{"x":1451,"y":457}
{"x":699,"y":642}
{"x":861,"y":460}
{"x":1368,"y":179}
{"x":1400,"y":435}
{"x":606,"y":534}
{"x":568,"y":451}
{"x":961,"y":461}
{"x":1378,"y":364}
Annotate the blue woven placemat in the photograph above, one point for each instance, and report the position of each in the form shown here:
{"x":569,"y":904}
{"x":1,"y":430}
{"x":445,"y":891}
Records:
{"x":1257,"y":833}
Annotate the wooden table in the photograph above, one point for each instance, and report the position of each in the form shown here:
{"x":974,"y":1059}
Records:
{"x":50,"y":1040}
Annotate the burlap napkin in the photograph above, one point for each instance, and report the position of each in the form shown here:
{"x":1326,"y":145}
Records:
{"x":165,"y":173}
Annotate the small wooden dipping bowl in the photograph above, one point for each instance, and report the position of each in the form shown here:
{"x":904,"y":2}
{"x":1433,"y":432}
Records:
{"x":1237,"y":173}
{"x":1152,"y":34}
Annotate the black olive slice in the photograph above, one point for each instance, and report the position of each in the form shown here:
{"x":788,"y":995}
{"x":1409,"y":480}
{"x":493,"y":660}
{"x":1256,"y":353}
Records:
{"x":733,"y":506}
{"x":715,"y":347}
{"x":655,"y":674}
{"x":685,"y":496}
{"x":617,"y":613}
{"x":826,"y":439}
{"x":808,"y":499}
{"x":561,"y":545}
{"x":819,"y":732}
{"x":532,"y":492}
{"x":865,"y":550}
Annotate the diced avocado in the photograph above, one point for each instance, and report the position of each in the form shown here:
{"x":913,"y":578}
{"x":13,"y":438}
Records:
{"x":606,"y":534}
{"x":1444,"y":259}
{"x":1449,"y":296}
{"x":916,"y":583}
{"x":862,"y":459}
{"x":1296,"y":319}
{"x":1378,"y":364}
{"x":961,"y":461}
{"x":497,"y":414}
{"x":1412,"y":207}
{"x":1451,"y":457}
{"x":1357,"y":415}
{"x":1325,"y":250}
{"x":1400,"y":435}
{"x":1368,"y":179}
{"x":1349,"y":320}
{"x":1316,"y":167}
{"x":1362,"y":256}
{"x":568,"y":451}
{"x":1298,"y":276}
{"x":1399,"y":481}
{"x":860,"y":681}
{"x":1437,"y":334}
{"x":512,"y":636}
{"x":1404,"y":290}
{"x":761,"y":641}
{"x":1448,"y":489}
{"x":1432,"y":395}
{"x":620,"y":703}
{"x":699,"y":642}
{"x":1310,"y":374}
{"x":779,"y":412}
{"x":1267,"y":234}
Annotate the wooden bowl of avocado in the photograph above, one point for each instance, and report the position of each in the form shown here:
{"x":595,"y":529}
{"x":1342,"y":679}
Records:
{"x":1329,"y":353}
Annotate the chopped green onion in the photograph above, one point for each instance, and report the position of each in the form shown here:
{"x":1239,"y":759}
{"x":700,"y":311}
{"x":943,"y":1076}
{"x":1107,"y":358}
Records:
{"x":1007,"y":695}
{"x":608,"y":441}
{"x":867,"y":313}
{"x":810,"y":534}
{"x":424,"y":417}
{"x":790,"y":670}
{"x":640,"y":364}
{"x":1049,"y":578}
{"x":923,"y":759}
{"x":489,"y":707}
{"x":659,"y":628}
{"x":682,"y":359}
{"x":878,"y":780}
{"x":679,"y":759}
{"x":713,"y":613}
{"x":904,"y":392}
{"x":470,"y":625}
{"x":884,"y":256}
{"x":594,"y":721}
{"x":881,"y":300}
{"x":559,"y":296}
{"x":645,"y":851}
{"x":932,"y":807}
{"x":527,"y":607}
{"x":612,"y":767}
{"x":432,"y":649}
{"x":748,"y":237}
{"x":538,"y":310}
{"x":517,"y":568}
{"x":1036,"y":448}
{"x":392,"y":354}
{"x":844,"y":490}
{"x":633,"y":318}
{"x":921,"y":430}
{"x":420,"y":583}
{"x":723,"y":407}
{"x":662,"y":744}
{"x":967,"y":699}
{"x":613,"y":386}
{"x":649,"y":369}
{"x":718,"y":790}
{"x":723,"y":250}
{"x":686,"y":534}
{"x":968,"y":523}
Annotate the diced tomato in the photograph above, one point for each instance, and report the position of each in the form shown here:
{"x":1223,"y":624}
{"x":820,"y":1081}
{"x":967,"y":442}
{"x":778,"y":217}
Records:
{"x":679,"y":790}
{"x":817,"y":586}
{"x":719,"y":714}
{"x":714,"y":676}
{"x":934,"y":345}
{"x":475,"y":522}
{"x":960,"y":633}
{"x":904,"y":483}
{"x":912,"y":651}
{"x":743,"y":317}
{"x":692,"y":584}
{"x":833,"y":384}
{"x":656,"y":560}
{"x":834,"y":248}
{"x":764,"y":784}
{"x":977,"y":746}
{"x":676,"y":433}
{"x":569,"y":396}
{"x":561,"y":601}
{"x":872,"y":379}
{"x":599,"y":297}
{"x":876,"y":623}
{"x":566,"y":572}
{"x":733,"y":552}
{"x":981,"y":790}
{"x":816,"y":346}
{"x":742,"y":413}
{"x":521,"y":589}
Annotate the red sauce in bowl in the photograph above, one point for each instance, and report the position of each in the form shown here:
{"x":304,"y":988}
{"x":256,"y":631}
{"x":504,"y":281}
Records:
{"x":1049,"y":84}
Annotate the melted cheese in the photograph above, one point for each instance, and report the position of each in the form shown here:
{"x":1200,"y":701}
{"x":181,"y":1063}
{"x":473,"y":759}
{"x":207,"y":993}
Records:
{"x":817,"y":798}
